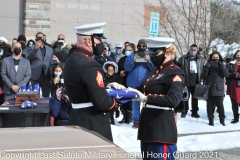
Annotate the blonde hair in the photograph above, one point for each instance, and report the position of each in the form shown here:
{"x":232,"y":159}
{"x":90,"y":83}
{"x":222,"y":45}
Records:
{"x":172,"y":49}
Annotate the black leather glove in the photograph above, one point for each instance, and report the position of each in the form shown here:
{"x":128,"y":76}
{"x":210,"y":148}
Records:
{"x":214,"y":64}
{"x":219,"y":63}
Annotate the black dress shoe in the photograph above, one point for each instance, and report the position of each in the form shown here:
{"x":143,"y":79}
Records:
{"x":195,"y":115}
{"x":183,"y":115}
{"x":234,"y":121}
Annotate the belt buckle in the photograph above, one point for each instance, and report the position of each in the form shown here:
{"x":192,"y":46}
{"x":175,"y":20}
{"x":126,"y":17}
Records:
{"x":144,"y":105}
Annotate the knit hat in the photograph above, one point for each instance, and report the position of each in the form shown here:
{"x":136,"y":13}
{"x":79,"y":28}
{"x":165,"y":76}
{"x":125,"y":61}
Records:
{"x":21,"y":37}
{"x":142,"y":41}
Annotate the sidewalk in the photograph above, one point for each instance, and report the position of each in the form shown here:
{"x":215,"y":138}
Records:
{"x":226,"y":154}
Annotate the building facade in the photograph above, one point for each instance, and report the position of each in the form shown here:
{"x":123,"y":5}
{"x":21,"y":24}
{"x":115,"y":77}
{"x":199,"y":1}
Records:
{"x":127,"y":20}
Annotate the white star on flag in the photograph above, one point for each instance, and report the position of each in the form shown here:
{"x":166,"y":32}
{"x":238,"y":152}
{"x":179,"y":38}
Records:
{"x":118,"y":97}
{"x":108,"y":90}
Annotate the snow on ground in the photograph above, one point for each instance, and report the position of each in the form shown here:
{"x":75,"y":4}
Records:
{"x":126,"y":137}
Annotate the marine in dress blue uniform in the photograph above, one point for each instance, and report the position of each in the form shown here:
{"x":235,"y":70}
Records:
{"x":161,"y":93}
{"x":83,"y":77}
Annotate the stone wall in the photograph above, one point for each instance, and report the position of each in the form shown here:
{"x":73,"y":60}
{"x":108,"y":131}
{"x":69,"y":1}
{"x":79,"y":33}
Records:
{"x":37,"y":18}
{"x":11,"y":19}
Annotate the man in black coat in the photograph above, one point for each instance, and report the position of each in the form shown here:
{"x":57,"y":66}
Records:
{"x":84,"y":83}
{"x":192,"y":61}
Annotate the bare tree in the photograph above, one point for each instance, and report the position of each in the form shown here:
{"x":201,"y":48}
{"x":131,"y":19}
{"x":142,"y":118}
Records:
{"x":191,"y":22}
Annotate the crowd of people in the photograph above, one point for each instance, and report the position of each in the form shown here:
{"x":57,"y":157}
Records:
{"x":36,"y":61}
{"x":75,"y":77}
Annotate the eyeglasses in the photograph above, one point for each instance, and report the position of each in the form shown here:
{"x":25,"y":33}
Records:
{"x":141,"y":46}
{"x":60,"y":38}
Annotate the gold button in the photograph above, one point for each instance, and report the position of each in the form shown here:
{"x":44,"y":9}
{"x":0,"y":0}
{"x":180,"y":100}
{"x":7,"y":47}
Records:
{"x":104,"y":114}
{"x":155,"y":94}
{"x":147,"y":79}
{"x":161,"y":67}
{"x":150,"y":94}
{"x":152,"y":76}
{"x":144,"y":86}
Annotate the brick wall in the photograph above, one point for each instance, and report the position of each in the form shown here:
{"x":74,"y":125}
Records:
{"x":36,"y":18}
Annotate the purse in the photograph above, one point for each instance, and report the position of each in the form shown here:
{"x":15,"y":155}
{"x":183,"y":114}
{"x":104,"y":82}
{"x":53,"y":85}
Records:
{"x":185,"y":94}
{"x":201,"y":92}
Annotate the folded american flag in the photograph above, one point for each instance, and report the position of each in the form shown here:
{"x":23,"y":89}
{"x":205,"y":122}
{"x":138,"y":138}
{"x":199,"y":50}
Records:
{"x":24,"y":87}
{"x":28,"y":104}
{"x":122,"y":96}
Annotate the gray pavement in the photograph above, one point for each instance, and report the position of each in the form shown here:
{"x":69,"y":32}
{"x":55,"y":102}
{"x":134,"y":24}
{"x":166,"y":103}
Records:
{"x":223,"y":154}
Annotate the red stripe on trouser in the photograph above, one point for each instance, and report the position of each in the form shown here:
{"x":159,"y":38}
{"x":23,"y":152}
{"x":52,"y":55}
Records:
{"x":165,"y":152}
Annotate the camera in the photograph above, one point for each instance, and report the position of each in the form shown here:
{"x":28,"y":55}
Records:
{"x":59,"y":43}
{"x":63,"y":91}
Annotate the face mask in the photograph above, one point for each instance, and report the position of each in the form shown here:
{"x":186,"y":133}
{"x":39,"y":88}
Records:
{"x":158,"y":60}
{"x":215,"y":60}
{"x":118,"y":51}
{"x":128,"y":53}
{"x":141,"y":49}
{"x":98,"y":49}
{"x":23,"y":45}
{"x":55,"y":62}
{"x":61,"y":41}
{"x":193,"y":53}
{"x":57,"y":74}
{"x":17,"y":51}
{"x":238,"y":59}
{"x":30,"y":45}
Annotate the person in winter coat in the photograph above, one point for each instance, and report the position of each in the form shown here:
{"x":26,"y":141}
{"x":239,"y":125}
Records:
{"x":56,"y":75}
{"x":138,"y":72}
{"x":5,"y":51}
{"x":192,"y":65}
{"x":125,"y":108}
{"x":60,"y":107}
{"x":213,"y":74}
{"x":111,"y":75}
{"x":233,"y":85}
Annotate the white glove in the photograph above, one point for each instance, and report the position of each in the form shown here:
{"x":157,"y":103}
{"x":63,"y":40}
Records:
{"x":141,"y":97}
{"x":115,"y":85}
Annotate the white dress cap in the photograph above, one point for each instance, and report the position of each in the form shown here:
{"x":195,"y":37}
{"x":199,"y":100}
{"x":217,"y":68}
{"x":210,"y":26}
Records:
{"x":4,"y":39}
{"x":89,"y":29}
{"x":159,"y":42}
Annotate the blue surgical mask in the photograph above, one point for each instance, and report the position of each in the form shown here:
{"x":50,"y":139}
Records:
{"x":128,"y":53}
{"x":57,"y":74}
{"x":118,"y":51}
{"x":193,"y":53}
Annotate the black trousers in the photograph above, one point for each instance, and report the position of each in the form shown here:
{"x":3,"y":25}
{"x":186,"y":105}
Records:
{"x":126,"y":106}
{"x":235,"y":106}
{"x":191,"y":90}
{"x":43,"y":84}
{"x":213,"y":101}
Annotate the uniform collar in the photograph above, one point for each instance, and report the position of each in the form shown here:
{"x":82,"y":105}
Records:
{"x":166,"y":64}
{"x":84,"y":51}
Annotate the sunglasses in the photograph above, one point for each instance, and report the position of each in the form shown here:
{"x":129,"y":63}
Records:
{"x":60,"y":38}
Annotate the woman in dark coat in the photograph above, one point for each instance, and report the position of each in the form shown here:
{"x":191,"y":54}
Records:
{"x":126,"y":108}
{"x":233,"y":84}
{"x":111,"y":75}
{"x":54,"y":81}
{"x":213,"y":74}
